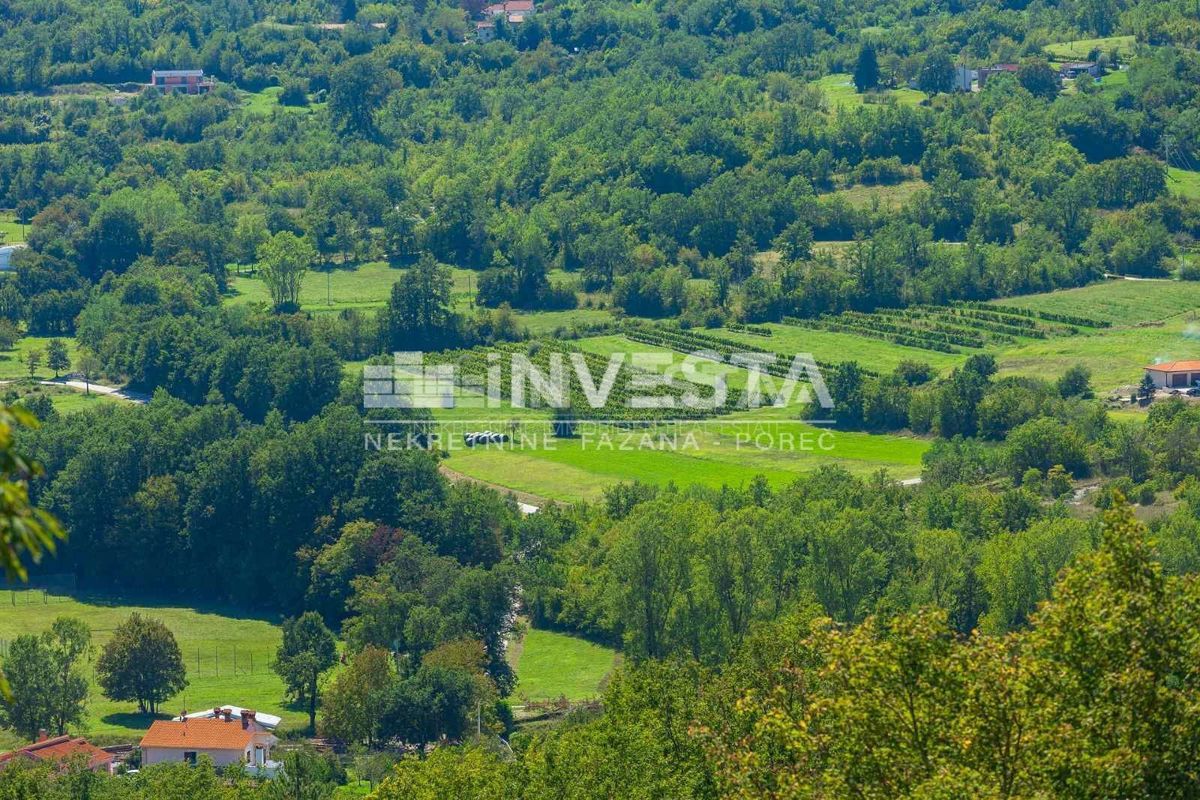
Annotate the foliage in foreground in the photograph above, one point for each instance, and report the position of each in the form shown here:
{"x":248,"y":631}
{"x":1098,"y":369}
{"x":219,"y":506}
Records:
{"x":1097,"y":698}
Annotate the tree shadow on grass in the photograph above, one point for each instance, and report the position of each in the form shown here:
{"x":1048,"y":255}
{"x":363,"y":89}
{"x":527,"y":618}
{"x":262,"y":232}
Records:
{"x":134,"y":720}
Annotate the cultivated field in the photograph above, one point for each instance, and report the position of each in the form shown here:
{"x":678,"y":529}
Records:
{"x":1079,"y":49}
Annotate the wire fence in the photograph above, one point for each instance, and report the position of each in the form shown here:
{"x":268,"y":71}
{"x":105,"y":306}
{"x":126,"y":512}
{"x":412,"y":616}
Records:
{"x":200,"y":662}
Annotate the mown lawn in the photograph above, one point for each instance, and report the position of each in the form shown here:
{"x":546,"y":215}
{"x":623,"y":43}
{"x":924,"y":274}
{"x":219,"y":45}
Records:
{"x":551,"y":665}
{"x":13,"y":362}
{"x":841,"y":95}
{"x":724,"y":452}
{"x":226,"y":653}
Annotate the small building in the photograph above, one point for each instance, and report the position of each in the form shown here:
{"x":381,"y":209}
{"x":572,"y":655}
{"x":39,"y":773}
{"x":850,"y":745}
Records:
{"x":485,"y":31}
{"x":225,"y":740}
{"x":188,"y":81}
{"x":964,"y":77}
{"x":62,"y":749}
{"x":515,"y":11}
{"x":1174,"y":374}
{"x":1073,"y":69}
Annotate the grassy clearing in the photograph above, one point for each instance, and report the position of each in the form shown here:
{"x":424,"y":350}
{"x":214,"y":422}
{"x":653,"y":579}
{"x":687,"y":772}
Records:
{"x":211,"y":640}
{"x":366,"y":285}
{"x":1079,"y":49}
{"x":13,"y":231}
{"x":551,"y":665}
{"x":266,"y":101}
{"x":1183,"y":182}
{"x":67,"y":400}
{"x":1116,"y":301}
{"x":886,"y":196}
{"x":841,"y":95}
{"x":13,"y":362}
{"x":1113,"y":83}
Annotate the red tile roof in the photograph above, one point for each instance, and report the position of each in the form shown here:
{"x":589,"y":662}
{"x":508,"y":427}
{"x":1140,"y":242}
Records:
{"x":61,"y":748}
{"x":198,"y":734}
{"x":1176,"y":366}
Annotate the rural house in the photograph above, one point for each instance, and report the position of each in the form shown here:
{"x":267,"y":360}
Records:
{"x":223,"y":739}
{"x":188,"y":81}
{"x":259,"y":721}
{"x":1174,"y":374}
{"x":62,"y":749}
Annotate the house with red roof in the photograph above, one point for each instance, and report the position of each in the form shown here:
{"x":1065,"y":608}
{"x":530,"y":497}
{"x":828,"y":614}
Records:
{"x":61,"y":749}
{"x":1174,"y":374}
{"x":225,"y":739}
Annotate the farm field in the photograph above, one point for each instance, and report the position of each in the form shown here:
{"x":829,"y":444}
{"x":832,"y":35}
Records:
{"x":1079,"y":49}
{"x":550,"y":665}
{"x":776,"y":448}
{"x":367,"y":285}
{"x":835,"y":346}
{"x":266,"y":101}
{"x":210,"y":639}
{"x":1116,"y":301}
{"x":841,"y":95}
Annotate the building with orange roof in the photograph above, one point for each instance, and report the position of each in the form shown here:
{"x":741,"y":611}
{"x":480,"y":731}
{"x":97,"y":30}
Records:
{"x":62,"y":749}
{"x":224,"y":739}
{"x":1174,"y":374}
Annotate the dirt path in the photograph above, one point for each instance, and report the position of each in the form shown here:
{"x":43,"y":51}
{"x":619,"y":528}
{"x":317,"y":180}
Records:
{"x":529,"y":503}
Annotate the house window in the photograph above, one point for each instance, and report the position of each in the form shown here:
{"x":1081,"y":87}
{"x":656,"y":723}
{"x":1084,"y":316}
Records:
{"x":189,"y":757}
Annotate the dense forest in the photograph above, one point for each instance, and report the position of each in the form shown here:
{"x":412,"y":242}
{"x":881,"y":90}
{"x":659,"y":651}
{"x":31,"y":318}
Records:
{"x":995,"y":630}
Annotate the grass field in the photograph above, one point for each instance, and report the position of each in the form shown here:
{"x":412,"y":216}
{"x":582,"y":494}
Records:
{"x":841,"y":95}
{"x":67,"y":400}
{"x":367,"y":285}
{"x":1118,"y":302}
{"x":1183,"y":182}
{"x":13,"y":362}
{"x":721,"y":452}
{"x":831,"y":346}
{"x":266,"y":101}
{"x":551,"y":665}
{"x":1079,"y":49}
{"x":887,"y":196}
{"x":211,"y":640}
{"x":13,"y":231}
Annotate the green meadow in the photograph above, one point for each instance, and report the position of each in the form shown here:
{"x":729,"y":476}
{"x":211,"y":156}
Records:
{"x":14,"y":364}
{"x":890,"y":196}
{"x":841,"y":95}
{"x":226,"y":653}
{"x":1080,"y":49}
{"x":11,"y":231}
{"x":1183,"y":182}
{"x":551,"y":665}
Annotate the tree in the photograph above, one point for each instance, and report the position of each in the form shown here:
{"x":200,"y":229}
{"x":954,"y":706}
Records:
{"x":141,"y":663}
{"x":866,"y":70}
{"x":57,"y":357}
{"x":30,"y":675}
{"x":33,"y":360}
{"x":1039,"y":79}
{"x":283,"y":261}
{"x":308,"y":649}
{"x":795,"y":242}
{"x":937,"y":73}
{"x":350,"y":711}
{"x":89,"y":369}
{"x":67,"y":642}
{"x":1075,"y":382}
{"x":357,"y":88}
{"x":25,"y":530}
